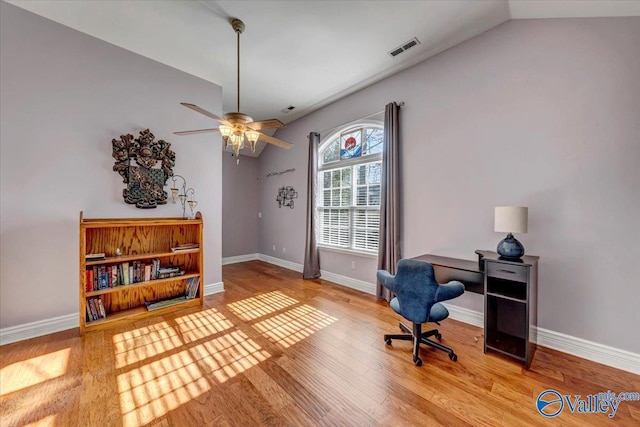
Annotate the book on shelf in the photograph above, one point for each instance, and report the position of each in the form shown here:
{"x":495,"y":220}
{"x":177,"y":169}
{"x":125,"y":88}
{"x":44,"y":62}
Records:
{"x":115,"y":276}
{"x":185,"y":247}
{"x":95,"y":257}
{"x":110,"y":276}
{"x":101,"y":309}
{"x":156,"y":268}
{"x":147,"y":272}
{"x":191,"y":289}
{"x":170,"y":274}
{"x":125,"y":273}
{"x":88,"y":286}
{"x":94,"y":310}
{"x":103,"y":282}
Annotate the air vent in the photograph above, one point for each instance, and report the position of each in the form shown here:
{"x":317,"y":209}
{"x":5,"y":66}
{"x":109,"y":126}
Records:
{"x":404,"y":47}
{"x":288,"y":109}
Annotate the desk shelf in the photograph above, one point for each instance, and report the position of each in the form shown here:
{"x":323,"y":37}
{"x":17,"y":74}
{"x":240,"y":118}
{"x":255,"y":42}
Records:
{"x":507,"y":289}
{"x":508,"y":344}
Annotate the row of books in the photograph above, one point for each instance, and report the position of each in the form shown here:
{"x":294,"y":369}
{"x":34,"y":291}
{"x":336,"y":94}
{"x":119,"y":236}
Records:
{"x":95,"y":309}
{"x":191,"y":291}
{"x":127,"y":273}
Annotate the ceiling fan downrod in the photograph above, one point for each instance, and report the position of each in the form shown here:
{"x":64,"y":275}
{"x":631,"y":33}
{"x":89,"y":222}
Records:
{"x":238,"y":27}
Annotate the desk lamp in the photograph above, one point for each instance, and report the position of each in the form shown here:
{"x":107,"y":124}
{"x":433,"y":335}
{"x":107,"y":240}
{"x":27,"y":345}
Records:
{"x":511,"y":219}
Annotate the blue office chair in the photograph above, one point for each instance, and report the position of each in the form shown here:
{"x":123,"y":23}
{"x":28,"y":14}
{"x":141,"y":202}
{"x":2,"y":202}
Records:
{"x":418,"y":297}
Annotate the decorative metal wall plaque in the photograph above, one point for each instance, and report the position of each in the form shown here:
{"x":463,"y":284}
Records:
{"x":285,"y":196}
{"x":155,"y":162}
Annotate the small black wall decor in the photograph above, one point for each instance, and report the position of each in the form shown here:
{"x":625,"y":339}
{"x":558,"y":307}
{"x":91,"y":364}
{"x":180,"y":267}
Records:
{"x":155,"y":162}
{"x":285,"y":196}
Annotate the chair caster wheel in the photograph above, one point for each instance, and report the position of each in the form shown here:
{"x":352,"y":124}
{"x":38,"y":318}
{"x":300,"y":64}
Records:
{"x":417,"y":361}
{"x":453,"y":357}
{"x":439,"y":336}
{"x":387,"y":341}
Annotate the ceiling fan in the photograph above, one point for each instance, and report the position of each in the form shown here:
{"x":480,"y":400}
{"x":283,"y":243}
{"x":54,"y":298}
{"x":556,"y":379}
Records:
{"x":236,"y":126}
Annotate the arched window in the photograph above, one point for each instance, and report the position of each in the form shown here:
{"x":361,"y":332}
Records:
{"x":348,"y":200}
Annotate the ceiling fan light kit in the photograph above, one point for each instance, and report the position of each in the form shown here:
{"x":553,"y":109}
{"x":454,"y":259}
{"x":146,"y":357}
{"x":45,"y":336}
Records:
{"x":235,"y":127}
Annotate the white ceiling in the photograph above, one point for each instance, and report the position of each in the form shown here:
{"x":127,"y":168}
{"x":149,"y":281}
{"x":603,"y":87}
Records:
{"x":301,"y":53}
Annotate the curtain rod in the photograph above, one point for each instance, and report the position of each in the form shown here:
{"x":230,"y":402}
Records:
{"x":400,"y":104}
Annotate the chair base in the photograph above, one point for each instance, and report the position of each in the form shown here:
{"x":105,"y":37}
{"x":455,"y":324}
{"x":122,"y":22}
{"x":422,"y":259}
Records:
{"x":418,"y":337}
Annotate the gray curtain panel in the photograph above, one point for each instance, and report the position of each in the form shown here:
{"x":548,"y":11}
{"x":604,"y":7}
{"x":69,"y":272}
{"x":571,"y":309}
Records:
{"x":311,"y":268}
{"x":389,"y":240}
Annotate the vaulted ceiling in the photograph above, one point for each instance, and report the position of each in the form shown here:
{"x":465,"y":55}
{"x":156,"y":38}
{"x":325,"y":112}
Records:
{"x":304,"y":54}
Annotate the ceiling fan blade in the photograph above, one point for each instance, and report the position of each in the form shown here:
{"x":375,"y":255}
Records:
{"x":275,"y":141}
{"x":195,"y":132}
{"x":204,"y":112}
{"x":266,"y":124}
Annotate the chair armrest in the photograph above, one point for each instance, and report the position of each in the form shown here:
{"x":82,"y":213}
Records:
{"x":387,"y":280}
{"x":449,"y":291}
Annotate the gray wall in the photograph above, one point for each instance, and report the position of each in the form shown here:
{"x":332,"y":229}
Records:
{"x":65,"y":95}
{"x":240,"y":205}
{"x":539,"y":113}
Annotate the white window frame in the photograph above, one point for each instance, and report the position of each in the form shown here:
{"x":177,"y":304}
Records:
{"x":340,"y":164}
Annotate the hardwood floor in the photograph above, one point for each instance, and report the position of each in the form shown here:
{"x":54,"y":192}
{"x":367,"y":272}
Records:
{"x":274,"y":349}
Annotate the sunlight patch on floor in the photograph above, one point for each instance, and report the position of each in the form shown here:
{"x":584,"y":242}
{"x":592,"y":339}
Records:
{"x":261,"y":305}
{"x":152,"y":390}
{"x":146,"y":342}
{"x":36,"y":370}
{"x":183,"y":370}
{"x":229,"y":355}
{"x":294,"y":325}
{"x":202,"y":324}
{"x":136,"y":345}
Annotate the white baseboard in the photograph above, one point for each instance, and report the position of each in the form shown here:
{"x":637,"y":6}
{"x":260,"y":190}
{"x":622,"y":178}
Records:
{"x":213,"y":288}
{"x":610,"y":356}
{"x":239,"y":258}
{"x":281,"y":262}
{"x":62,"y":323}
{"x":465,"y":315}
{"x":38,"y":328}
{"x":360,"y":285}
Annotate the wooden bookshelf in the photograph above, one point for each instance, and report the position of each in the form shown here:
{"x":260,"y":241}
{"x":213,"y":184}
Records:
{"x":139,"y":240}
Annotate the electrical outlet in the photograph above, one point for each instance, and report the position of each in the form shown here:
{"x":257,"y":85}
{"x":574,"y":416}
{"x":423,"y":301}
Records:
{"x":259,"y":214}
{"x":274,"y":247}
{"x":353,"y":265}
{"x":284,"y":250}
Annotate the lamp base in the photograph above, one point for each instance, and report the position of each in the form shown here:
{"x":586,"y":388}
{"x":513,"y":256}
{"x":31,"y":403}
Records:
{"x":510,"y":248}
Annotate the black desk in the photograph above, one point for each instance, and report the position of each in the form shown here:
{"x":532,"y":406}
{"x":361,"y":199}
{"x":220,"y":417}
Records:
{"x":465,"y":271}
{"x":510,"y":302}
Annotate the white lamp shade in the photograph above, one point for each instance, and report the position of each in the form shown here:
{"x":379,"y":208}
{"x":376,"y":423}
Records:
{"x":511,"y":219}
